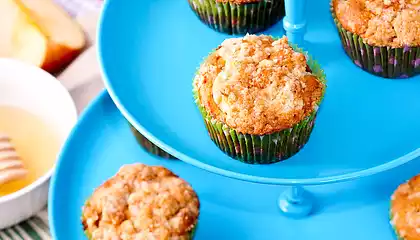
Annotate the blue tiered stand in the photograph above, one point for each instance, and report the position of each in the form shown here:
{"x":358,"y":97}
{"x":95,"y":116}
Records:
{"x":296,"y":201}
{"x":295,"y":21}
{"x":337,"y":187}
{"x":364,"y":123}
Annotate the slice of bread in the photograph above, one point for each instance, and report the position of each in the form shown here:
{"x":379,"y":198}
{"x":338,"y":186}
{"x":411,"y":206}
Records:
{"x":41,"y":34}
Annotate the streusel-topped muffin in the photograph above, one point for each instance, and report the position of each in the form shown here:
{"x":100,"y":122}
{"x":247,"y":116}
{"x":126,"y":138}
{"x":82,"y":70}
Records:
{"x":257,"y":87}
{"x":142,"y":202}
{"x":388,"y":29}
{"x":405,"y":210}
{"x":394,"y":23}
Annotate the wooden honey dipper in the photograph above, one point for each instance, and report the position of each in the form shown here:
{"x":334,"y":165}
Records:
{"x":11,"y":166}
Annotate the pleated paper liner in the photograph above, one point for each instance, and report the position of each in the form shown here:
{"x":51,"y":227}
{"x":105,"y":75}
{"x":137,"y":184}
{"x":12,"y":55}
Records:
{"x":391,"y":220}
{"x":88,"y":235}
{"x":397,"y":236}
{"x":386,"y":62}
{"x":262,"y":149}
{"x":193,"y":231}
{"x":191,"y":237}
{"x":236,"y":19}
{"x":148,"y":145}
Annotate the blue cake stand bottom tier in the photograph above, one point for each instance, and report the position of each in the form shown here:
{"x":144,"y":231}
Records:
{"x":230,"y":209}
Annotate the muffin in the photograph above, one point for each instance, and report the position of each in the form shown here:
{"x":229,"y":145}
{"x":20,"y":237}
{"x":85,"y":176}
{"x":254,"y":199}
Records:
{"x":148,"y":145}
{"x":142,"y":202}
{"x":380,"y":36}
{"x":405,"y":210}
{"x":238,"y":16}
{"x":259,"y":98}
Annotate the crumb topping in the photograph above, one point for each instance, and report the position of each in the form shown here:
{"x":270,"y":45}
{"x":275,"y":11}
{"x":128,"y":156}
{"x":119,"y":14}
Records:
{"x":394,"y":23}
{"x":257,"y":85}
{"x":141,"y":202}
{"x":405,"y":209}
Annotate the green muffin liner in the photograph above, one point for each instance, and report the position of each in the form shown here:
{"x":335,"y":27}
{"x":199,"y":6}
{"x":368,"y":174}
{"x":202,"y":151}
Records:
{"x":235,"y":19}
{"x":397,"y":235}
{"x":192,"y":234}
{"x":387,"y":62}
{"x":193,"y":231}
{"x":148,"y":145}
{"x":262,"y":149}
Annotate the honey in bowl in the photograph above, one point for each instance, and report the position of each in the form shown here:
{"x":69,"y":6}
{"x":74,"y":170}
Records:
{"x":11,"y":166}
{"x":35,"y":142}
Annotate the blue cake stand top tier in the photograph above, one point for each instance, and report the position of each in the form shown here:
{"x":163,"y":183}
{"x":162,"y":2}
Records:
{"x":150,"y":50}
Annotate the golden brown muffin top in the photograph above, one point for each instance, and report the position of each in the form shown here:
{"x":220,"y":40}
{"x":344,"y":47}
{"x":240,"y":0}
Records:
{"x":257,"y":85}
{"x":394,"y":23}
{"x":405,"y":209}
{"x":141,"y":202}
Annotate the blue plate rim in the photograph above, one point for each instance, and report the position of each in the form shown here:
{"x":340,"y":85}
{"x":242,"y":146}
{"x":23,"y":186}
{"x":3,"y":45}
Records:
{"x":53,"y":217}
{"x":240,"y":176}
{"x":51,"y":192}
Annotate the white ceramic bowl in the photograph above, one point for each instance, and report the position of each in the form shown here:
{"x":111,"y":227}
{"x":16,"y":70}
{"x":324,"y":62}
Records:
{"x":40,"y":93}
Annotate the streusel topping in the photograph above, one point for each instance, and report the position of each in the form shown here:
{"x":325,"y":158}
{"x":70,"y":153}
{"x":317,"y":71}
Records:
{"x":257,"y":85}
{"x":141,"y":202}
{"x":394,"y":23}
{"x":405,"y":209}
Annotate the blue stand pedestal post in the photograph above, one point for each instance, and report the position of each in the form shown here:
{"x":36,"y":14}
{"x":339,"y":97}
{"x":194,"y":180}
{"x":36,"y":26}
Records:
{"x":295,"y":21}
{"x":295,"y":202}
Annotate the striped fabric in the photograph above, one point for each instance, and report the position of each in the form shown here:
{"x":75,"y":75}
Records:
{"x":36,"y":228}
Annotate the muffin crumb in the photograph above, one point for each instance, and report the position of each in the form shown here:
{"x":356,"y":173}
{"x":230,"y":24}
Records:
{"x":405,"y":209}
{"x":394,"y":23}
{"x":142,"y":202}
{"x":258,"y":85}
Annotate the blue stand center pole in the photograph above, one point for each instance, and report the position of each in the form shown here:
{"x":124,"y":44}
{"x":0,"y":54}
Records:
{"x":295,"y":20}
{"x":295,"y":201}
